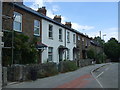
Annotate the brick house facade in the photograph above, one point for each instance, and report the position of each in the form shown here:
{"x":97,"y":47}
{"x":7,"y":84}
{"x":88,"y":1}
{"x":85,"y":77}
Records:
{"x":27,"y":21}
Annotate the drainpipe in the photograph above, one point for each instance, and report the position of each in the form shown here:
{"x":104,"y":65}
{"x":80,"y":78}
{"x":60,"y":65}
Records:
{"x":1,"y":34}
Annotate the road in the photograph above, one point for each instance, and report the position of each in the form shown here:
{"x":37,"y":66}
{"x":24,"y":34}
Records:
{"x":108,"y":76}
{"x":81,"y":78}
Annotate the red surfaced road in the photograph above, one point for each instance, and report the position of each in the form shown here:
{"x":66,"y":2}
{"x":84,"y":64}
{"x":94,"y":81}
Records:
{"x":77,"y":83}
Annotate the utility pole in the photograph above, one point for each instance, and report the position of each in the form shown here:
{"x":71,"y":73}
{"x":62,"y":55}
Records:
{"x":100,"y":34}
{"x":103,"y":46}
{"x":1,"y":34}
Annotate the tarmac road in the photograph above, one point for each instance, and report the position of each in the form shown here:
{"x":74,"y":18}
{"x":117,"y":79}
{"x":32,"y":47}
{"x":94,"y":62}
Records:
{"x":108,"y":75}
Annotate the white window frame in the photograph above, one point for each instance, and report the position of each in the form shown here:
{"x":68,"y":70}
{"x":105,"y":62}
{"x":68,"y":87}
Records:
{"x":68,"y":54}
{"x":50,"y":53}
{"x":79,"y":38}
{"x":83,"y":39}
{"x":50,"y":31}
{"x":38,"y":27}
{"x":68,"y":37}
{"x":60,"y":34}
{"x":74,"y":38}
{"x":17,"y":21}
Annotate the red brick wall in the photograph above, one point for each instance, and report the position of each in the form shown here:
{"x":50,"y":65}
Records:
{"x":27,"y":20}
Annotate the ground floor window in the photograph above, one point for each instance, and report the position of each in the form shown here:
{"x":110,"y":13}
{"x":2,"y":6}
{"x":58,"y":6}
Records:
{"x":68,"y":54}
{"x":50,"y":53}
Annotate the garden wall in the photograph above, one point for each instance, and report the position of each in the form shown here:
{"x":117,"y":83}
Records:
{"x":17,"y":73}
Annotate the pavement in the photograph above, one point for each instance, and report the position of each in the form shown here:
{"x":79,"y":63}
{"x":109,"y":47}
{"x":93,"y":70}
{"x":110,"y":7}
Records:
{"x":81,"y":78}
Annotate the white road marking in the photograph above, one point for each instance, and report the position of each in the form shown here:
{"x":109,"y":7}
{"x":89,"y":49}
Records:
{"x":100,"y":74}
{"x":96,"y":79}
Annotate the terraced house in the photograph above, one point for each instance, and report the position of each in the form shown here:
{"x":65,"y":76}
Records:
{"x":57,"y":41}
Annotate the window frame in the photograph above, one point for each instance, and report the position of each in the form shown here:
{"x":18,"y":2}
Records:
{"x":50,"y":31}
{"x":60,"y":35}
{"x":17,"y":13}
{"x":79,"y":38}
{"x":68,"y":54}
{"x":68,"y":37}
{"x":50,"y":54}
{"x":38,"y":27}
{"x":74,"y":38}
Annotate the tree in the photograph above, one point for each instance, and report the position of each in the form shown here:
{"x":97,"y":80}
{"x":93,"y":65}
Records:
{"x":91,"y":53}
{"x":99,"y":40}
{"x":112,"y":49}
{"x":25,"y":51}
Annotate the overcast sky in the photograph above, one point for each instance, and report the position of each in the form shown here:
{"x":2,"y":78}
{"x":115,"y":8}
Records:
{"x":86,"y":17}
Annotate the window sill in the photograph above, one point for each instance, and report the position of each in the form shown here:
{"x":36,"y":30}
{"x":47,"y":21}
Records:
{"x":51,"y":38}
{"x":61,"y":40}
{"x":18,"y":31}
{"x":36,"y":35}
{"x":68,"y":42}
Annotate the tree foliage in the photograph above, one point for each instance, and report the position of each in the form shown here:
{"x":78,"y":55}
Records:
{"x":99,"y":40}
{"x":24,"y":51}
{"x":91,"y":53}
{"x":112,"y":49}
{"x":98,"y":57}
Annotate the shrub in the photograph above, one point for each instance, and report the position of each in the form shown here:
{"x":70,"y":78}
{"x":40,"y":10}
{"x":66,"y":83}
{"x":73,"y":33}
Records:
{"x":100,"y":58}
{"x":91,"y":53}
{"x":66,"y":66}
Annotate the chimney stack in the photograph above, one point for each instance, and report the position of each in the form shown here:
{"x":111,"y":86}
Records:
{"x":20,"y":2}
{"x":68,"y":24}
{"x":57,"y":18}
{"x":42,"y":10}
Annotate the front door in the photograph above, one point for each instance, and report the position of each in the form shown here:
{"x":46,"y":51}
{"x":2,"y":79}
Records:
{"x":74,"y":54}
{"x":60,"y":55}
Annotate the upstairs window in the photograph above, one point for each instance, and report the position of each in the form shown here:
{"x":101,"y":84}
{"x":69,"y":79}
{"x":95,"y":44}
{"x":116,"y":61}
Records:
{"x":36,"y":27}
{"x":83,"y":43}
{"x":50,"y":31}
{"x":60,"y":34}
{"x":17,"y":24}
{"x":79,"y":38}
{"x":74,"y":41}
{"x":83,"y":39}
{"x":68,"y":37}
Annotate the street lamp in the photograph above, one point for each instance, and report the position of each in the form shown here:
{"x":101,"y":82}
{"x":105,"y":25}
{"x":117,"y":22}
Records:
{"x":103,"y":44}
{"x":104,"y":36}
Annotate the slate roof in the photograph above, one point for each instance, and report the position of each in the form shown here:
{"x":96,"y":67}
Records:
{"x":51,"y":20}
{"x":44,"y":17}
